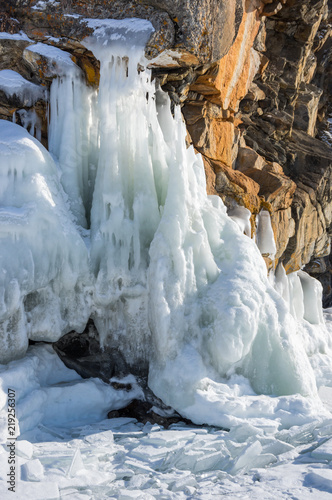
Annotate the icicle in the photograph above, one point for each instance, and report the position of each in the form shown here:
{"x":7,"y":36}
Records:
{"x":264,"y":235}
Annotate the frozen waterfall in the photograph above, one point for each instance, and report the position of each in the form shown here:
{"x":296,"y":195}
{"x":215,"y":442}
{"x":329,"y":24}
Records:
{"x":116,"y":225}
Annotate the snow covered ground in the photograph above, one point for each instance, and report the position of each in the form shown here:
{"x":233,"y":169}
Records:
{"x":66,"y":448}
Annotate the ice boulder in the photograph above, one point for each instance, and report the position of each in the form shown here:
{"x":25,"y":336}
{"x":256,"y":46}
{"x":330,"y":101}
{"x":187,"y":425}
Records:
{"x":44,"y":274}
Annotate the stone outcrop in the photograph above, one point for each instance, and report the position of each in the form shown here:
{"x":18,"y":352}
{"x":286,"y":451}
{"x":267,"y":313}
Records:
{"x":253,"y":78}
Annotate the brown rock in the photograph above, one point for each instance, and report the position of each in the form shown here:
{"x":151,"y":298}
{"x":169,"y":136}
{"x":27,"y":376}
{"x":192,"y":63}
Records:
{"x":233,"y":185}
{"x":214,"y":138}
{"x":247,"y":158}
{"x":210,"y":176}
{"x":229,"y":80}
{"x":277,"y":189}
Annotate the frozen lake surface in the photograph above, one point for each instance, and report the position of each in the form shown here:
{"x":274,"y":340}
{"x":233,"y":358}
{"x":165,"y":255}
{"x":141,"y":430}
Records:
{"x":67,"y":449}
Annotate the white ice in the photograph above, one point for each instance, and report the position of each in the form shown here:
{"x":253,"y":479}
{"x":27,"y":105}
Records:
{"x":264,"y":235}
{"x":43,"y":258}
{"x":241,"y":216}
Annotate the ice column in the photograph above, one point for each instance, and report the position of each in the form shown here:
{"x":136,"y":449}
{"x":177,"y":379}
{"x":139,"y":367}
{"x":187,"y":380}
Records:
{"x":129,"y":190}
{"x":73,"y":139}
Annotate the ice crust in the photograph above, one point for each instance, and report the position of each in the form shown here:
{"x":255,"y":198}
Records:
{"x":167,"y":276}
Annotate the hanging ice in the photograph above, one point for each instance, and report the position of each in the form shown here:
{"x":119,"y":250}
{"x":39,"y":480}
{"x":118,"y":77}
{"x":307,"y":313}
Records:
{"x":265,"y":236}
{"x":175,"y":285}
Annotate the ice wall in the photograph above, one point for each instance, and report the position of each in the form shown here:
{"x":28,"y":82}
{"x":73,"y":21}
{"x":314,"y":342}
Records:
{"x":168,"y":277}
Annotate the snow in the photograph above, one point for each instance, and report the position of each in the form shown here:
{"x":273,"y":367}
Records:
{"x":42,"y":4}
{"x":132,"y":32}
{"x":13,"y":84}
{"x":172,"y":282}
{"x":14,"y":36}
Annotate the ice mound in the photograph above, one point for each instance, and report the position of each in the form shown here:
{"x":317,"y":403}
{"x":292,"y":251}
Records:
{"x":43,"y":260}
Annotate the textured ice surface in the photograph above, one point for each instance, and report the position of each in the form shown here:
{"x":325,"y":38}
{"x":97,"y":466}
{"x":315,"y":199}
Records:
{"x":43,"y":258}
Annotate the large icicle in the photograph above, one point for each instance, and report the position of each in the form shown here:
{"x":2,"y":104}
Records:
{"x":212,"y":313}
{"x":128,"y":191}
{"x":73,"y":132}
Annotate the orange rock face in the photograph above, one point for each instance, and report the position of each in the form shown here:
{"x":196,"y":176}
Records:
{"x":229,"y":80}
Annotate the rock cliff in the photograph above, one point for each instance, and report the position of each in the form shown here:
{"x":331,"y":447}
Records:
{"x":254,"y":82}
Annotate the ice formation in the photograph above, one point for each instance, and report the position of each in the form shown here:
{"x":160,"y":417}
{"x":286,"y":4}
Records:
{"x":43,"y":260}
{"x":13,"y":84}
{"x":167,"y":276}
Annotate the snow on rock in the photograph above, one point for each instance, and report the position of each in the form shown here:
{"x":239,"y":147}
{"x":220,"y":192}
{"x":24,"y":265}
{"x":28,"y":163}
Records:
{"x":14,"y":36}
{"x":12,"y":83}
{"x":43,"y":258}
{"x":58,"y":62}
{"x":132,"y":32}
